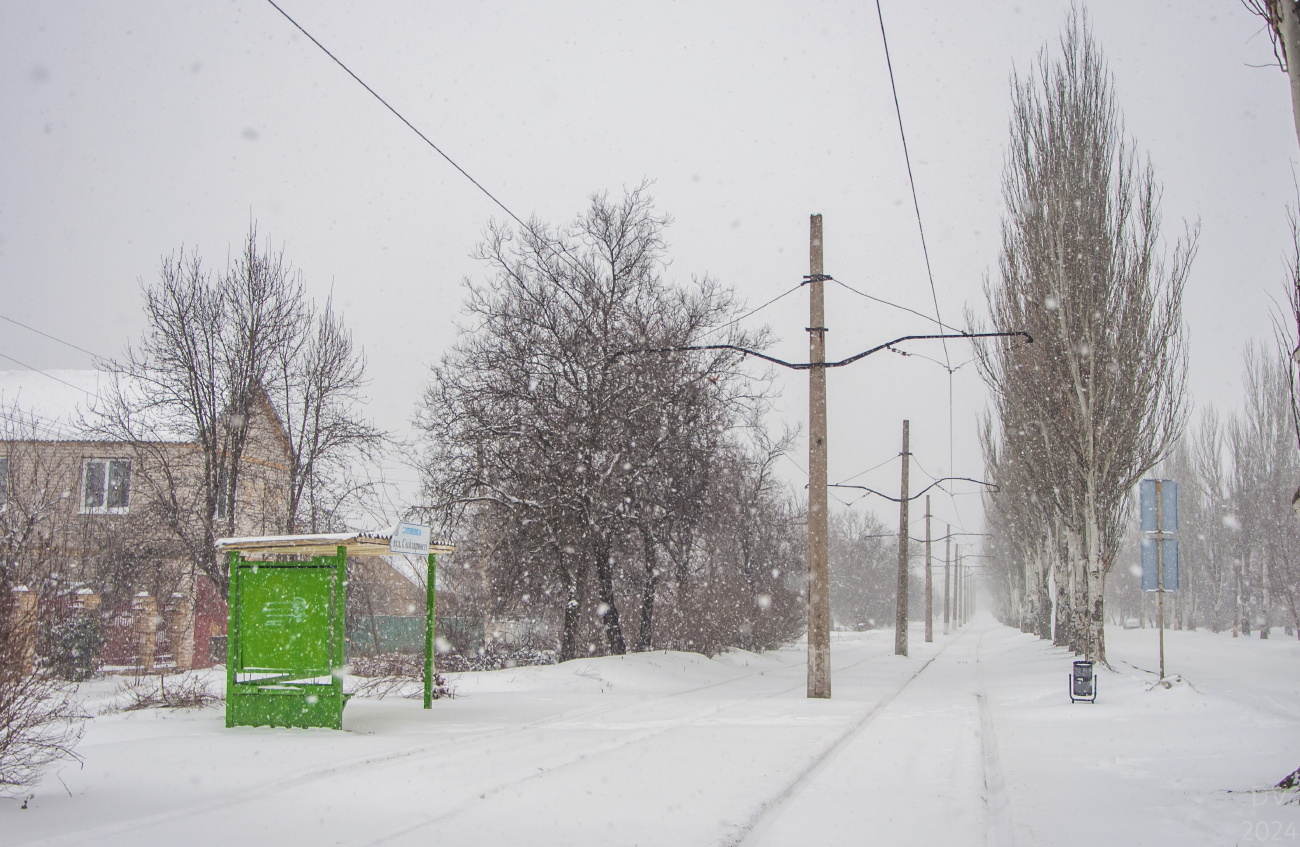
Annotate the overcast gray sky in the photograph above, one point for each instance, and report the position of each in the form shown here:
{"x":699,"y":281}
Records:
{"x":130,"y":130}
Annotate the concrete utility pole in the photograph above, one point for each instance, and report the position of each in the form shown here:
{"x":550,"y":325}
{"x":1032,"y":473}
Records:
{"x":900,"y":618}
{"x":929,"y":585}
{"x":819,"y":595}
{"x":947,"y":555}
{"x":965,"y":589}
{"x":956,"y":590}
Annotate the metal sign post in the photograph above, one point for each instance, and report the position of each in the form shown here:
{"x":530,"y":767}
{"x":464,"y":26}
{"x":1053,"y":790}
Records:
{"x":430,"y":629}
{"x":413,"y":539}
{"x":1160,"y":576}
{"x":1159,"y":523}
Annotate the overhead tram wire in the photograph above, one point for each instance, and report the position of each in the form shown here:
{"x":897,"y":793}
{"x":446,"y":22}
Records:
{"x":803,"y":366}
{"x":562,"y":252}
{"x":938,"y":483}
{"x":925,"y":250}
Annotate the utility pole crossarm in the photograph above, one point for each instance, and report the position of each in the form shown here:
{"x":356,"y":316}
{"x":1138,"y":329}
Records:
{"x":804,"y":366}
{"x":922,"y":491}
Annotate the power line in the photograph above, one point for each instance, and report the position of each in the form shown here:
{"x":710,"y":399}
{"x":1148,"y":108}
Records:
{"x":925,"y":250}
{"x":562,"y":252}
{"x":49,"y":375}
{"x":870,"y":469}
{"x":50,"y":427}
{"x":883,"y":302}
{"x":923,"y":470}
{"x":51,"y":337}
{"x":362,"y":83}
{"x":752,"y":311}
{"x":801,"y":468}
{"x":805,"y":473}
{"x":908,"y":159}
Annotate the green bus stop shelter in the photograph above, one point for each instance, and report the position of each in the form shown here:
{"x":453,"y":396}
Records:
{"x":285,"y":641}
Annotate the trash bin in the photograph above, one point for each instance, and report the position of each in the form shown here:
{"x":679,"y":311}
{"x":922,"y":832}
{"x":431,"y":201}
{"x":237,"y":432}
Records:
{"x":1083,"y":685}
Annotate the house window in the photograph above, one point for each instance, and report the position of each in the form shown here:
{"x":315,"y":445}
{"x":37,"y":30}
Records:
{"x":4,"y":480}
{"x":106,"y":486}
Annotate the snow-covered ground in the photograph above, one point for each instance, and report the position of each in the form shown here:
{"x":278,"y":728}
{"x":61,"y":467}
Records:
{"x":971,"y":740}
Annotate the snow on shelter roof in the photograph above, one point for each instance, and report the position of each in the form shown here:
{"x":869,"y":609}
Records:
{"x":358,"y":543}
{"x":63,"y":405}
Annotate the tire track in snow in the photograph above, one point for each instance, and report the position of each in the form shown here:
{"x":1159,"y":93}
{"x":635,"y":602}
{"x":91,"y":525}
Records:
{"x":308,"y":776}
{"x":999,"y":828}
{"x":592,"y":751}
{"x":771,"y":808}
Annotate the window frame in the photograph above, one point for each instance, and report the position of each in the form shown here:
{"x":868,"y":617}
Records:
{"x":103,"y":508}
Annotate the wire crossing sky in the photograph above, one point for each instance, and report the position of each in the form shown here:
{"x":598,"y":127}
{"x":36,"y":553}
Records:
{"x":128,"y":136}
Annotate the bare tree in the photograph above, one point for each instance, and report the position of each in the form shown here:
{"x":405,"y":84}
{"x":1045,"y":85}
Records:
{"x":1097,"y":399}
{"x":576,"y":454}
{"x":259,"y":388}
{"x":40,"y":721}
{"x":316,"y":384}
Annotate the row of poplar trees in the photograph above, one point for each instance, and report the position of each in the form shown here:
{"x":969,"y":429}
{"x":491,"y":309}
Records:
{"x":1083,"y":412}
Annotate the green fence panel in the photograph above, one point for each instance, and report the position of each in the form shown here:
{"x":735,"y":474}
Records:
{"x":397,"y":634}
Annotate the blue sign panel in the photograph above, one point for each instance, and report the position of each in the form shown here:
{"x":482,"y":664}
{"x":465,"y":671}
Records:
{"x":1168,"y":505}
{"x":1169,"y":554}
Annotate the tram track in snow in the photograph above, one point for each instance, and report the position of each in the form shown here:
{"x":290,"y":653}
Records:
{"x":751,"y":832}
{"x":589,"y":753}
{"x":999,"y":824}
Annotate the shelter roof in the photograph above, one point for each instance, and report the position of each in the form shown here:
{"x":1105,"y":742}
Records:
{"x":358,"y":543}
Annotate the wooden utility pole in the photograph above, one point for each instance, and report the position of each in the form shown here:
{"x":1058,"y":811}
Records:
{"x":819,"y":595}
{"x":929,"y":585}
{"x":900,"y":617}
{"x":947,"y":555}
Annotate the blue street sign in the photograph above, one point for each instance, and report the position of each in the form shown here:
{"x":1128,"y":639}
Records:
{"x":1168,"y":505}
{"x":1170,"y":556}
